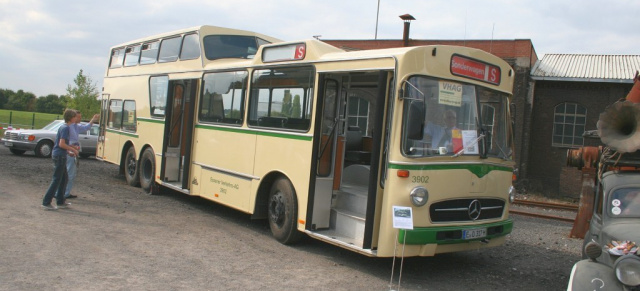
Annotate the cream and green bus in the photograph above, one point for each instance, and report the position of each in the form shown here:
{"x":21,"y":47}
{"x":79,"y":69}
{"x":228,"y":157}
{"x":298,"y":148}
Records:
{"x":317,"y":140}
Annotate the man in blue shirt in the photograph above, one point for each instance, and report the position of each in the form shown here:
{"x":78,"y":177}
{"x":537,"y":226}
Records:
{"x":59,"y":153}
{"x":441,"y":135}
{"x":72,"y":160}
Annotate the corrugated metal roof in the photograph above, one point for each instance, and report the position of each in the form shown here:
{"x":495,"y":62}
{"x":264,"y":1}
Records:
{"x":587,"y":68}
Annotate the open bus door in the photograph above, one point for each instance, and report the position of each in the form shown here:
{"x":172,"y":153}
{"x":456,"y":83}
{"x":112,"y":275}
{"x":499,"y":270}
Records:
{"x":104,"y":112}
{"x":348,"y":141}
{"x":178,"y":133}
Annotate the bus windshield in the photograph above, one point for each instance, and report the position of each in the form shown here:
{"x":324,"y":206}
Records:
{"x":445,"y":118}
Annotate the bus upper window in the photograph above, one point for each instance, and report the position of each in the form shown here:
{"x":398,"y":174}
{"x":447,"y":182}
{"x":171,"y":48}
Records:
{"x":190,"y":47}
{"x":149,"y":53}
{"x":230,"y":46}
{"x":169,"y":49}
{"x":131,"y":56}
{"x":116,"y":58}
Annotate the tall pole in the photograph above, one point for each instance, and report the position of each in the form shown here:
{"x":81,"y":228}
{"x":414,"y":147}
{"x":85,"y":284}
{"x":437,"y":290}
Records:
{"x":377,"y":15}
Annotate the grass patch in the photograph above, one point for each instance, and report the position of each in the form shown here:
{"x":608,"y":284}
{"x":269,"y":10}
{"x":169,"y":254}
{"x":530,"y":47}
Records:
{"x":24,"y":119}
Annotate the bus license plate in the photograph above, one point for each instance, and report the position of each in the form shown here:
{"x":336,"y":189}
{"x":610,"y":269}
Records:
{"x":474,"y":233}
{"x":9,"y":144}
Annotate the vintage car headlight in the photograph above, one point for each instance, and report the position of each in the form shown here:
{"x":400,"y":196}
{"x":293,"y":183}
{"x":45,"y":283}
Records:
{"x":419,"y":196}
{"x":512,"y":194}
{"x":627,"y":270}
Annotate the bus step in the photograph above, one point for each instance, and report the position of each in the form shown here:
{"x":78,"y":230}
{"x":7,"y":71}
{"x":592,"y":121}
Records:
{"x":352,"y":199}
{"x":347,"y":223}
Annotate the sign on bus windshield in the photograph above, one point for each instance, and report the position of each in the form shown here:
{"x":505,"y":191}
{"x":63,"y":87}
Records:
{"x":472,"y":69}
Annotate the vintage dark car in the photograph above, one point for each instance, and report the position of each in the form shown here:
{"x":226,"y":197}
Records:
{"x":611,"y":259}
{"x":41,"y":141}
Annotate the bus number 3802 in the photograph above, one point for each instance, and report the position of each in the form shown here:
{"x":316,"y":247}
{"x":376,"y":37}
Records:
{"x":420,"y":179}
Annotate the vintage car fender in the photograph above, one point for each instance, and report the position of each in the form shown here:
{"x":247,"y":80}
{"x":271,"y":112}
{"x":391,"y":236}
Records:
{"x":590,"y":275}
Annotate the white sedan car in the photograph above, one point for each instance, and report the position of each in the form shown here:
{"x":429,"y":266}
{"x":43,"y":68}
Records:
{"x":41,"y":141}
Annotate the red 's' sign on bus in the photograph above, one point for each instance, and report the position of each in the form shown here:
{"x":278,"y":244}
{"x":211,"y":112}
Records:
{"x":473,"y":69}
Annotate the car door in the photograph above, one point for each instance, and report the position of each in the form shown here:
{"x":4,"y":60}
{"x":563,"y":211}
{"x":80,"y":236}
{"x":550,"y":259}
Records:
{"x":89,"y":140}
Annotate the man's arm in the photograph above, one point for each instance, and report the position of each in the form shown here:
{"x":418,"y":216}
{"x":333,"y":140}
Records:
{"x":82,"y":128}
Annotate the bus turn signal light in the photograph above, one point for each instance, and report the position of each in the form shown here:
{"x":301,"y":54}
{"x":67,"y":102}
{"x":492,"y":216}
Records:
{"x":403,"y":173}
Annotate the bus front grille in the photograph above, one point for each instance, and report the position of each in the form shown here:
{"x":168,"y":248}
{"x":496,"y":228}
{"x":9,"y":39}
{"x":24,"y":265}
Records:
{"x":467,"y":209}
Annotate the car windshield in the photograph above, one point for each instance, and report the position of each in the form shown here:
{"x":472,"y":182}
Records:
{"x":625,"y":202}
{"x":53,"y":126}
{"x":454,"y":116}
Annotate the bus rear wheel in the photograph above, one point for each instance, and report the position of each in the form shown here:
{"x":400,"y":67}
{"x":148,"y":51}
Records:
{"x":131,"y":168}
{"x":148,"y":171}
{"x":283,"y":212}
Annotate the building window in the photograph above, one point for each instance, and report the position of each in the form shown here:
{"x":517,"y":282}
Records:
{"x":568,"y":125}
{"x":359,"y":113}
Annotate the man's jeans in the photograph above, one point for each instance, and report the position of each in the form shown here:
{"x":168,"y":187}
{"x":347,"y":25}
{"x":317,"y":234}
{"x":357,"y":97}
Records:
{"x":58,"y":182}
{"x":72,"y":170}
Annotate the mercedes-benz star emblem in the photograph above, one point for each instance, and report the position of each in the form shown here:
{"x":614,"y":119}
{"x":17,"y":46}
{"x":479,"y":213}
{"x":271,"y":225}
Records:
{"x":474,"y":209}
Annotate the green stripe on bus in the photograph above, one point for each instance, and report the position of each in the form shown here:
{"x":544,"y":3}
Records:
{"x":479,"y":170}
{"x":257,"y":132}
{"x":151,"y":120}
{"x":122,"y":133}
{"x":429,"y":235}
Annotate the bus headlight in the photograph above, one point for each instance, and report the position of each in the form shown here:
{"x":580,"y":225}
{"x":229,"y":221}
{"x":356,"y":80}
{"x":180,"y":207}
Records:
{"x":512,"y":194}
{"x":628,"y":270}
{"x":419,"y":196}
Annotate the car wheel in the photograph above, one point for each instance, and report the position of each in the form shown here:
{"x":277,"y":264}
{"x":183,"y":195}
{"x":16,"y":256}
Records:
{"x":131,"y":168}
{"x":148,"y":172}
{"x":16,"y":152}
{"x":283,"y":212}
{"x":43,"y":149}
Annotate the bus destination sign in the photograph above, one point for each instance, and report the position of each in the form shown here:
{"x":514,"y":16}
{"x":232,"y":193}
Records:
{"x":472,"y":69}
{"x":289,"y":52}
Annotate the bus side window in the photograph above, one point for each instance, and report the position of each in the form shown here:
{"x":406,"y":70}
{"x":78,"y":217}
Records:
{"x":190,"y":47}
{"x":115,"y":114}
{"x":117,"y":56}
{"x":149,"y":53}
{"x":223,"y":97}
{"x":281,"y":98}
{"x":129,"y":115}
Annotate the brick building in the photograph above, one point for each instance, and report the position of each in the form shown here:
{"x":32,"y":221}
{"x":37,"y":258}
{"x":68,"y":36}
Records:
{"x":569,"y":91}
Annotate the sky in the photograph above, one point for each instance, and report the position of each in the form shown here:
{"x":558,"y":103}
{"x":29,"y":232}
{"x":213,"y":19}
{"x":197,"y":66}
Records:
{"x":45,"y":43}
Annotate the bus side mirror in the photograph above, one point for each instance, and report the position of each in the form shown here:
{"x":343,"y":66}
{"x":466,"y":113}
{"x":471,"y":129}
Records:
{"x":415,"y":120}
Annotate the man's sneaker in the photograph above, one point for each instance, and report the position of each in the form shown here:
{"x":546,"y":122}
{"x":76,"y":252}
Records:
{"x":49,"y":207}
{"x":64,"y":205}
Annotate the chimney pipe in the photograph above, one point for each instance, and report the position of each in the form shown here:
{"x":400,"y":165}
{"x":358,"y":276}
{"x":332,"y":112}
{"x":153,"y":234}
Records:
{"x":407,"y":23}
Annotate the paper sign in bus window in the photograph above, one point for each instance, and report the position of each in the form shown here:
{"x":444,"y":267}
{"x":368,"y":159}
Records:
{"x":469,"y":141}
{"x":450,"y":93}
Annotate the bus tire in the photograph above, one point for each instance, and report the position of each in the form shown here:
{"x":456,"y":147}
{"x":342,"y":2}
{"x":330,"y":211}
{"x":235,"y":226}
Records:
{"x":283,"y":212}
{"x":131,"y":173}
{"x":147,"y":170}
{"x":44,"y":149}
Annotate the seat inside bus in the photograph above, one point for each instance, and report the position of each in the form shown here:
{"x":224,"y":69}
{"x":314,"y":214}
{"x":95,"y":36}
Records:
{"x":355,"y":153}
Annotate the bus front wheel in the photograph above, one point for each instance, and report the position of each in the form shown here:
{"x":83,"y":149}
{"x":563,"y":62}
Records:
{"x":283,"y":212}
{"x":131,"y":168}
{"x":148,"y":171}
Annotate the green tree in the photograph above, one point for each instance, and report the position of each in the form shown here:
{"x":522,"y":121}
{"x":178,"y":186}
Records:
{"x":50,"y":104}
{"x":296,"y":109}
{"x":21,"y":101}
{"x":4,"y":97}
{"x":84,"y":95}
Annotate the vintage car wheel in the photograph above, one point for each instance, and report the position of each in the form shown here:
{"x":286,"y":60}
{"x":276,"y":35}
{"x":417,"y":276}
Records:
{"x":43,"y":149}
{"x":16,"y":152}
{"x":283,"y":212}
{"x":131,"y":172}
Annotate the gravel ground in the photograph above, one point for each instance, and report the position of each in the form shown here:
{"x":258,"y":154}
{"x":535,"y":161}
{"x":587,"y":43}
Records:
{"x":116,"y":237}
